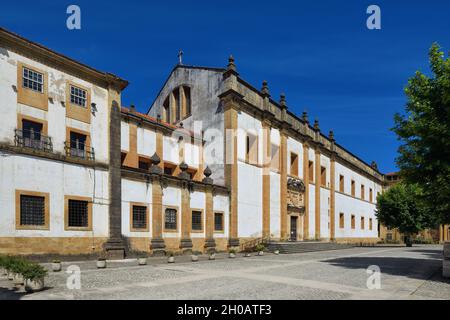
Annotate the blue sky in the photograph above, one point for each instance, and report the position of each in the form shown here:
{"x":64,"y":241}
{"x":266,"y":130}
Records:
{"x":319,"y":53}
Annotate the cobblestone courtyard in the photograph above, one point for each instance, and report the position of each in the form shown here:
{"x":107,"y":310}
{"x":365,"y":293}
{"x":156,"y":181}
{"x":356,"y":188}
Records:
{"x":406,"y":273}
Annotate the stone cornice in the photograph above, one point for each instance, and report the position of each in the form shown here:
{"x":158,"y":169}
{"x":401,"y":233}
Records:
{"x":167,"y":180}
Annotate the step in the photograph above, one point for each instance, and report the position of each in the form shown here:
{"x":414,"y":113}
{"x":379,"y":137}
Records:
{"x":302,"y":247}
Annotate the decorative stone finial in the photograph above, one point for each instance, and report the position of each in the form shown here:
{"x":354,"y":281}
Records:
{"x":305,"y":116}
{"x":207,"y":172}
{"x":155,"y":160}
{"x":316,"y":125}
{"x":331,"y":135}
{"x":181,"y":125}
{"x":183,"y":174}
{"x":132,"y":108}
{"x":283,"y":100}
{"x":374,"y":165}
{"x":231,"y":65}
{"x":265,"y":88}
{"x":158,"y":118}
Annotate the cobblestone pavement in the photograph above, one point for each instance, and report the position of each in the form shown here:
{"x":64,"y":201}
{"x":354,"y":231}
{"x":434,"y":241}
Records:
{"x":406,"y":273}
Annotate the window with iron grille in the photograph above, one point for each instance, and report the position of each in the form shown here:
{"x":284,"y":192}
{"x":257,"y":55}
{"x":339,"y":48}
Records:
{"x":139,"y":217}
{"x":218,"y":221}
{"x":78,"y":213}
{"x":33,"y":80}
{"x":32,"y":210}
{"x":196,"y":220}
{"x":170,"y":221}
{"x":78,"y":96}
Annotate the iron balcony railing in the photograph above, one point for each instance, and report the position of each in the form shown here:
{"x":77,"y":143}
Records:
{"x":78,"y":149}
{"x":33,"y":139}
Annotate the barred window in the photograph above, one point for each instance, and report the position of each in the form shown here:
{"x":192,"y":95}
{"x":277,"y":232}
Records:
{"x":170,"y":221}
{"x":218,"y":221}
{"x":78,"y":96}
{"x":78,"y":213}
{"x":33,"y":80}
{"x":32,"y":210}
{"x":196,"y":220}
{"x":139,"y":217}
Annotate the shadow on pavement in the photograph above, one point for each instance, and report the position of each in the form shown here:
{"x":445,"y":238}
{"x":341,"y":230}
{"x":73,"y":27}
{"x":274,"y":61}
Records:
{"x":416,"y":268}
{"x":10,"y":294}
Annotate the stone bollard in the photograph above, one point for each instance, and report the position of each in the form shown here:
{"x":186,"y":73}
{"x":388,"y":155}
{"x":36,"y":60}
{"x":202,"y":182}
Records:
{"x":446,"y":261}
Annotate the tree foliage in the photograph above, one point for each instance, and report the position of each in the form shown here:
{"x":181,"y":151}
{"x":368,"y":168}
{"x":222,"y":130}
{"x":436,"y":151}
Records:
{"x":424,"y":130}
{"x":401,"y":207}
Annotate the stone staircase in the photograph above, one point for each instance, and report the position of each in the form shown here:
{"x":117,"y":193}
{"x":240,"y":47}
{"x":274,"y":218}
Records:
{"x":305,"y":246}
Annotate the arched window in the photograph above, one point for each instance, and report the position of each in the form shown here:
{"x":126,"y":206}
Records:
{"x":187,"y":99}
{"x":166,"y":106}
{"x":178,"y":105}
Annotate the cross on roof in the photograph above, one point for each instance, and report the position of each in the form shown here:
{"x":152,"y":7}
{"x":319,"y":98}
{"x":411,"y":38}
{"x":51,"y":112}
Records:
{"x":180,"y":56}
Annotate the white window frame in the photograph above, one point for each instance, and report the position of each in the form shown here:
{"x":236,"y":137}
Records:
{"x":32,"y":80}
{"x":75,"y":95}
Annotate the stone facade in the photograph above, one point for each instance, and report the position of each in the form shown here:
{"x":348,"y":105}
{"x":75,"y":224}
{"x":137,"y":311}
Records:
{"x":158,"y":182}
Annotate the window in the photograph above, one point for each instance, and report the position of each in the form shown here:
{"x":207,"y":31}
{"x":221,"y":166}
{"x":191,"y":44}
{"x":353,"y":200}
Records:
{"x":389,"y":236}
{"x":170,"y":221}
{"x":370,"y":195}
{"x":252,"y":149}
{"x":78,"y":144}
{"x":169,"y":168}
{"x":187,"y":97}
{"x":353,"y":188}
{"x":275,"y":157}
{"x":144,"y":163}
{"x":341,"y":183}
{"x":218,"y":221}
{"x":341,"y":220}
{"x":166,"y":107}
{"x":32,"y":210}
{"x":78,"y":215}
{"x":31,"y":136}
{"x":176,"y":96}
{"x":370,"y":224}
{"x":363,"y":225}
{"x":139,"y":217}
{"x":294,"y":164}
{"x":362,"y":192}
{"x":311,"y":171}
{"x":323,"y":176}
{"x":353,"y":221}
{"x":33,"y":80}
{"x":78,"y":96}
{"x":196,"y":220}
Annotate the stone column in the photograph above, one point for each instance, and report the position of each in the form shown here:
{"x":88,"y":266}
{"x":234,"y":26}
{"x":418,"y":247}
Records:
{"x":115,"y":247}
{"x":157,"y":244}
{"x":317,"y":181}
{"x":186,"y":242}
{"x":231,"y":167}
{"x":266,"y":180}
{"x":210,"y":243}
{"x":332,"y":198}
{"x":283,"y":186}
{"x":306,"y":195}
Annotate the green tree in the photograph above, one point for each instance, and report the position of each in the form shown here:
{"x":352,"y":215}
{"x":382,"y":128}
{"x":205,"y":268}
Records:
{"x":424,"y":130}
{"x":401,"y":207}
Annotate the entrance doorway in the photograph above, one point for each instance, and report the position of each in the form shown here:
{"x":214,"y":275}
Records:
{"x":293,"y":228}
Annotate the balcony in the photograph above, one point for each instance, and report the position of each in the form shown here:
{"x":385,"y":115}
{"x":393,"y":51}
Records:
{"x":78,"y":149}
{"x":33,"y":139}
